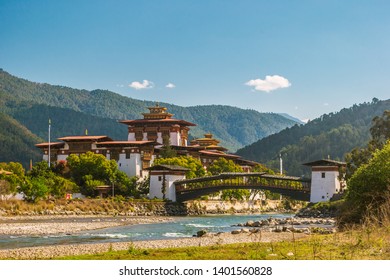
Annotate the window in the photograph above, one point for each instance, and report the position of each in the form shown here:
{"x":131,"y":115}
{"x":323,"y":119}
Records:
{"x":323,"y":175}
{"x":160,"y":178}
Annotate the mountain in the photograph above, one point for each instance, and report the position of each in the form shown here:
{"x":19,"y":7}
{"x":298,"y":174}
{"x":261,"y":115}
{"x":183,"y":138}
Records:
{"x":17,"y":142}
{"x":331,"y":135}
{"x":72,"y":111}
{"x":292,"y":118}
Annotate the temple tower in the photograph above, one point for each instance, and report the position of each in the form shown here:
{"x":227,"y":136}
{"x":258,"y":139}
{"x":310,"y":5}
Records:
{"x":156,"y":125}
{"x":325,"y":179}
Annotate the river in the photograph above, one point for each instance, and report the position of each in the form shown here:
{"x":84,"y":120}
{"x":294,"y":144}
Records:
{"x":178,"y":228}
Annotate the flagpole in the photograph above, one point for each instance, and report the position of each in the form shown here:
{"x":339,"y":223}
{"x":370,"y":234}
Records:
{"x":281,"y":164}
{"x":49,"y":142}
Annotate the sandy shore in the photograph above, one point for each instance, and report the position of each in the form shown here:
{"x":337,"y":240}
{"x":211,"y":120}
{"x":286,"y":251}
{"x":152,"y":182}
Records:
{"x":54,"y":225}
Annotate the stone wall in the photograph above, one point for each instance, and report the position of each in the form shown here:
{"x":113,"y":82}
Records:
{"x":136,"y":208}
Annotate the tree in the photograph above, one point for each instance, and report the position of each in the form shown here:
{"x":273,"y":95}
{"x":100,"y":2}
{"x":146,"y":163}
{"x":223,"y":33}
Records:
{"x":380,"y":133}
{"x":166,"y":150}
{"x":194,"y":165}
{"x":34,"y":189}
{"x":90,"y":170}
{"x":5,"y":187}
{"x":57,"y":186}
{"x":380,"y":129}
{"x":10,"y":183}
{"x":223,"y":165}
{"x":369,"y":189}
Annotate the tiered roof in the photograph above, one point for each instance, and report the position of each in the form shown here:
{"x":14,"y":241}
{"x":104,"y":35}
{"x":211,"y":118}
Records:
{"x":159,"y":115}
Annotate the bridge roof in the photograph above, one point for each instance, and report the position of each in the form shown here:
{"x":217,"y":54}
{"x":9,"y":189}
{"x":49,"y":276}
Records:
{"x":167,"y":167}
{"x":325,"y":162}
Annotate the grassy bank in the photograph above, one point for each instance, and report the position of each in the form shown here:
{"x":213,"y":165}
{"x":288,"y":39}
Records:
{"x":365,"y":243}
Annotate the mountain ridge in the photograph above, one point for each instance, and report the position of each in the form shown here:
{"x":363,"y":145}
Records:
{"x":331,"y":135}
{"x":25,"y":101}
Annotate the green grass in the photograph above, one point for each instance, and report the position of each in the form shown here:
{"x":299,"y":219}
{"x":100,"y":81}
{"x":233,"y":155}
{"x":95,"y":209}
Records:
{"x":363,"y":244}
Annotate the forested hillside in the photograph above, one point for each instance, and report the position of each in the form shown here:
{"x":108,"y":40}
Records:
{"x":66,"y":122}
{"x":17,"y":142}
{"x":332,"y":135}
{"x":235,"y":127}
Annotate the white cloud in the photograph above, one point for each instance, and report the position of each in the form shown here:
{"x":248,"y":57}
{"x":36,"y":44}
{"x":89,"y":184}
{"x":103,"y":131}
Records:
{"x":326,"y":104}
{"x":144,"y":85}
{"x":170,"y":85}
{"x":270,"y":83}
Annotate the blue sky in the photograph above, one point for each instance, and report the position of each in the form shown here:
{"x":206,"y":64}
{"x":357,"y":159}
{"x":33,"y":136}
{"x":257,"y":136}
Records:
{"x":304,"y":58}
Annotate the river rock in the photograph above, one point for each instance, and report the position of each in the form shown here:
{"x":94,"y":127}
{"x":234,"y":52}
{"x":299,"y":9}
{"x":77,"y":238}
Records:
{"x":201,"y":233}
{"x":257,"y":224}
{"x":265,"y":223}
{"x":249,"y":223}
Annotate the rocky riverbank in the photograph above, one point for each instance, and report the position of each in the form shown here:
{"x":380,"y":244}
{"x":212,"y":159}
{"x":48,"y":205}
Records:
{"x":295,"y":224}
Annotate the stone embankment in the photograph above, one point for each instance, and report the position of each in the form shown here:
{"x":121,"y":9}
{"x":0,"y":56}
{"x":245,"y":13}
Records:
{"x":126,"y":208}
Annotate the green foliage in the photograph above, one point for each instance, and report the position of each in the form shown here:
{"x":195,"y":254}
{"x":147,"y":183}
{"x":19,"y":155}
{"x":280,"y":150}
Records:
{"x":5,"y":187}
{"x":9,"y":183}
{"x":271,"y":195}
{"x":262,"y":168}
{"x":17,"y":142}
{"x":380,"y":133}
{"x":90,"y":170}
{"x":194,"y":165}
{"x":166,"y":150}
{"x":126,"y":186}
{"x":223,"y":165}
{"x":57,"y":186}
{"x":36,"y":116}
{"x":369,"y":188}
{"x":238,"y":194}
{"x":34,"y":189}
{"x":332,"y":135}
{"x":92,"y":164}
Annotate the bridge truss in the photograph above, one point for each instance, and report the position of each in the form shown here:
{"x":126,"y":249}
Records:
{"x":295,"y":187}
